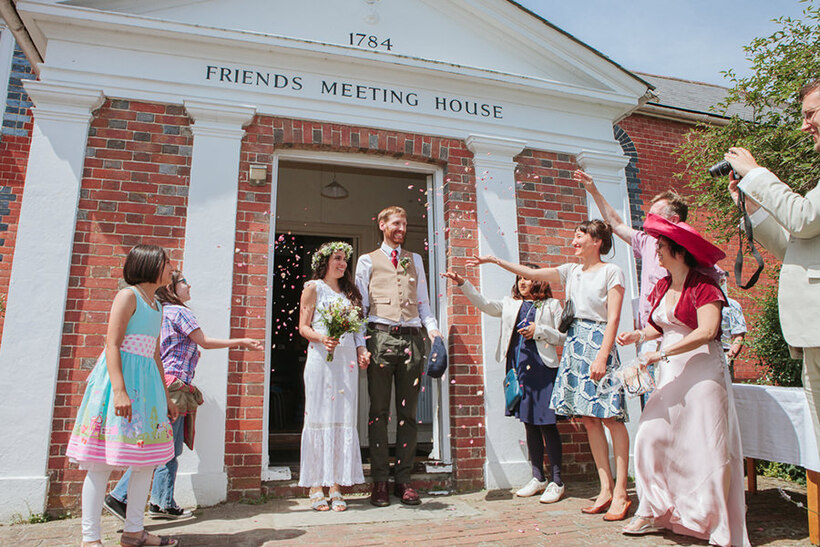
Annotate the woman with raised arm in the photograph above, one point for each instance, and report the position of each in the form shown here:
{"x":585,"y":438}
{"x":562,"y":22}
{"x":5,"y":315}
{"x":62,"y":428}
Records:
{"x":688,"y":464}
{"x":585,"y":385}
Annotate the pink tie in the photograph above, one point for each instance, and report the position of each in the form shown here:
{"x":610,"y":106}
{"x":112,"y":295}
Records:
{"x":394,"y":258}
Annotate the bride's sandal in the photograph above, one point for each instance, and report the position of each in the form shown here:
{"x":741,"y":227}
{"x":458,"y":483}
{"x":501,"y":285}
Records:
{"x":337,"y":503}
{"x":319,"y":501}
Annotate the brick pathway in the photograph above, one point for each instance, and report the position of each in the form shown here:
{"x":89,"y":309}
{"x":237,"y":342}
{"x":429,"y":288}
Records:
{"x":482,"y":518}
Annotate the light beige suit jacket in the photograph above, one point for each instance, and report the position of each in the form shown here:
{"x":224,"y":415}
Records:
{"x":791,"y":232}
{"x":546,"y":322}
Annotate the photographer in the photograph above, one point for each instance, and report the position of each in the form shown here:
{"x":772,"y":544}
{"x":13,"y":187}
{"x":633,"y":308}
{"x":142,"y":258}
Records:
{"x":788,"y":226}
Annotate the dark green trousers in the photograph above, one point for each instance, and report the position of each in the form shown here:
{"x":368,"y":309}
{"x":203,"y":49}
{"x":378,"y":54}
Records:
{"x":400,"y":357}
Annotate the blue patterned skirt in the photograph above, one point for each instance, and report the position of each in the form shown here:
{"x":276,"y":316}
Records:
{"x":574,"y":393}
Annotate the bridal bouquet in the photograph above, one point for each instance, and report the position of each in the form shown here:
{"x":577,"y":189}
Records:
{"x":340,"y":318}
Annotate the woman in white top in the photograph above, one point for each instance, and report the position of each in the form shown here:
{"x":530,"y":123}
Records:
{"x":585,"y":386}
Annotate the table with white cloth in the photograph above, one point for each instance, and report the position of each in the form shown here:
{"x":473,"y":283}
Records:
{"x":776,"y":425}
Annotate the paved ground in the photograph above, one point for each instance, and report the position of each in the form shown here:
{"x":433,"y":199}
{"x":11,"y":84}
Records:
{"x":482,"y":518}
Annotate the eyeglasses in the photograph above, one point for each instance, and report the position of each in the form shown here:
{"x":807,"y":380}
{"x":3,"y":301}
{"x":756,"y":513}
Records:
{"x":809,"y":114}
{"x":183,"y":280}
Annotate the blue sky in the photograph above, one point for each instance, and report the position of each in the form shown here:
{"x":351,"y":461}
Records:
{"x":689,"y":39}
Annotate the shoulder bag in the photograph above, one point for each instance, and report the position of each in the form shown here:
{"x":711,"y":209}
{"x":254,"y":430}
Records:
{"x":568,"y":314}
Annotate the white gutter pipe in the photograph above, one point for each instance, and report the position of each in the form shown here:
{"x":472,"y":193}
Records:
{"x":8,"y":11}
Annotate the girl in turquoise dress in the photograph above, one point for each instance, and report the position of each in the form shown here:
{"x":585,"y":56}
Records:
{"x":123,"y":420}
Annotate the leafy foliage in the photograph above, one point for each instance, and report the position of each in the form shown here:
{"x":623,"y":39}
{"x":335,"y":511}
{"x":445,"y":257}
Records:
{"x":767,"y":343}
{"x":785,"y":471}
{"x":782,"y":64}
{"x":770,"y":129}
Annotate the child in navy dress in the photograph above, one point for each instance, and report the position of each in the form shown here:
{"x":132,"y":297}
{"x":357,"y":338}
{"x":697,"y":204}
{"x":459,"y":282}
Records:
{"x":529,"y":334}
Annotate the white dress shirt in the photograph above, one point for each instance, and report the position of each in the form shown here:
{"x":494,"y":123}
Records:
{"x":364,"y":267}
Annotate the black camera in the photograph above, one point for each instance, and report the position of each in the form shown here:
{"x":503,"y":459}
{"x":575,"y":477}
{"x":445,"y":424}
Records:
{"x":721,"y":169}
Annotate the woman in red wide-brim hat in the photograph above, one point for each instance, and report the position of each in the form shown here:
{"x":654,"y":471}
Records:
{"x":688,"y":463}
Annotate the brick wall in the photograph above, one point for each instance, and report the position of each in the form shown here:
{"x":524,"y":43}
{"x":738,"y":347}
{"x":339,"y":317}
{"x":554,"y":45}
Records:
{"x":655,"y":140}
{"x":550,"y":206}
{"x":15,"y":141}
{"x":134,"y":190}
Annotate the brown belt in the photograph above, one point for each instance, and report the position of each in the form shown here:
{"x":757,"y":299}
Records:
{"x":395,"y":330}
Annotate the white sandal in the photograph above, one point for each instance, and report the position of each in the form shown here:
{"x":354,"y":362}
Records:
{"x":647,"y":528}
{"x":319,"y":501}
{"x":336,"y":500}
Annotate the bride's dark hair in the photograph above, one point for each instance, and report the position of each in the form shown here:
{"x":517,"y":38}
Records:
{"x":346,"y":282}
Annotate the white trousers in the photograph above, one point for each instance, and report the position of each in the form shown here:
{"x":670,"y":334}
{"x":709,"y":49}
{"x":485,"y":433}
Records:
{"x":94,"y":488}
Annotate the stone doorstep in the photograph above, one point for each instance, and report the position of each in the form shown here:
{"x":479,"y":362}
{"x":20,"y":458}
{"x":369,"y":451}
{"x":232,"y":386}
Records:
{"x":421,"y":481}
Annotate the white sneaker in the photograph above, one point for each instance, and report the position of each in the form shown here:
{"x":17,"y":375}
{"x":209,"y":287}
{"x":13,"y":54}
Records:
{"x":552,"y":493}
{"x":531,"y":488}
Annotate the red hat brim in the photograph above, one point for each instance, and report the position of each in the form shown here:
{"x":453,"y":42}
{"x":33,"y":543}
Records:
{"x":705,"y":252}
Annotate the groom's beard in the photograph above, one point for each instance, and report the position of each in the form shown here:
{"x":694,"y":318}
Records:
{"x":396,"y":238}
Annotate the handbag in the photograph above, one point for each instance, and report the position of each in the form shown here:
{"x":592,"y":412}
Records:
{"x":512,"y":390}
{"x":568,"y":313}
{"x":636,"y":380}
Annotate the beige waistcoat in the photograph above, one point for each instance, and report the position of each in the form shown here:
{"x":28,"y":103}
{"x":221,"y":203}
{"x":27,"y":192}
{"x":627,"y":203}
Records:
{"x":393,"y":290}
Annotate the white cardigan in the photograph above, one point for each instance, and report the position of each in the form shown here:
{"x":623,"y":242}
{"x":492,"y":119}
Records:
{"x":547,"y":318}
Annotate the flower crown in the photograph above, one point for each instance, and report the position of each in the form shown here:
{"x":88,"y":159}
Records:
{"x":324,"y":252}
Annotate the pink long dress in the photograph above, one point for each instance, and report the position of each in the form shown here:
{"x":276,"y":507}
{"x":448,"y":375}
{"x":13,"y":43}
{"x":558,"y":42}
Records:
{"x":688,"y":464}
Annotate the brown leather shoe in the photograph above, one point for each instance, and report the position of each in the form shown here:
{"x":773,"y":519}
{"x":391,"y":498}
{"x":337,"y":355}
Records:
{"x":380,"y":497}
{"x":407,"y":495}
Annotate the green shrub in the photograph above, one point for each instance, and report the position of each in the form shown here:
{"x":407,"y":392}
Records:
{"x":785,"y":471}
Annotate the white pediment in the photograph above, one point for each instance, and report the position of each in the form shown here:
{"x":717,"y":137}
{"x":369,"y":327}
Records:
{"x":491,"y":35}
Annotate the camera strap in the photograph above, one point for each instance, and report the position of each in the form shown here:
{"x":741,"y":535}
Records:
{"x":747,"y":227}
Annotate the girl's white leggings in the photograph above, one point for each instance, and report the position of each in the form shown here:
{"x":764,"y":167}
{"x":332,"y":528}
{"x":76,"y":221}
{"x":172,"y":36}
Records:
{"x":94,"y":487}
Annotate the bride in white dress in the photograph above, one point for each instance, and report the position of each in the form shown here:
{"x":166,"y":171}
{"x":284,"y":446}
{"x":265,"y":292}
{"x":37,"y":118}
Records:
{"x":330,"y":454}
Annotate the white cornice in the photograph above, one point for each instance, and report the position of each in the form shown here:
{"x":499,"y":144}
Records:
{"x":489,"y":149}
{"x":219,"y":119}
{"x":63,"y":101}
{"x":603,"y":166}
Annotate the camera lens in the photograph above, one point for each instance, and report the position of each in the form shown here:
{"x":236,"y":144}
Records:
{"x":720,"y":169}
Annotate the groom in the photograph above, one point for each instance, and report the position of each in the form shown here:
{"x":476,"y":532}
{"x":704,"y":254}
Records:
{"x":395,"y":302}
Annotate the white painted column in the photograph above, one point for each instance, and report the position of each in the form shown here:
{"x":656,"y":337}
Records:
{"x":607,"y":169}
{"x":506,"y":464}
{"x":208,"y":263}
{"x":35,"y":309}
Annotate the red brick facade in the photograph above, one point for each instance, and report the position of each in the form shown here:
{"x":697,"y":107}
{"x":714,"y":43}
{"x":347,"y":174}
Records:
{"x":550,"y":205}
{"x":13,"y":161}
{"x":134,"y":190}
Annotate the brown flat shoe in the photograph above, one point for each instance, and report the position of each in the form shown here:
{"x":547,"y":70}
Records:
{"x":164,"y":541}
{"x":380,"y":497}
{"x":610,"y":516}
{"x":596,"y":509}
{"x":407,"y":495}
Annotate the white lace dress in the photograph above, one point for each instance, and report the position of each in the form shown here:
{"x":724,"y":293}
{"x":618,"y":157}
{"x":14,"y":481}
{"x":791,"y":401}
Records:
{"x":330,"y":442}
